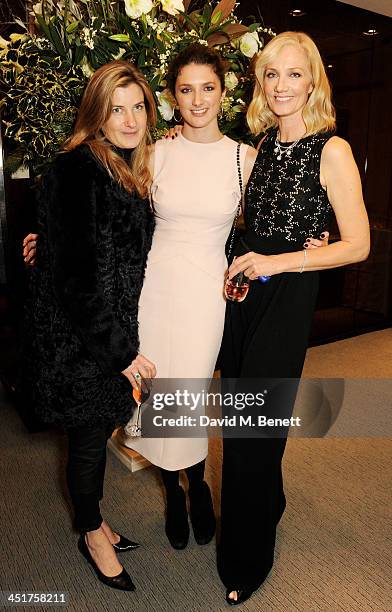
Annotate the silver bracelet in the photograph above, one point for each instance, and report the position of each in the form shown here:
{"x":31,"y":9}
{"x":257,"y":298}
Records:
{"x":304,"y":261}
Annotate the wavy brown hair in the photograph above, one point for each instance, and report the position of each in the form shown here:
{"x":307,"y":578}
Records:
{"x":95,"y":110}
{"x":318,"y":113}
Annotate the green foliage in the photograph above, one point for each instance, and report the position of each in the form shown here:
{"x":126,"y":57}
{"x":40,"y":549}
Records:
{"x":40,"y":98}
{"x":43,"y":74}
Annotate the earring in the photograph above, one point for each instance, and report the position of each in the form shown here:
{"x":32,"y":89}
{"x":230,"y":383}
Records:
{"x":180,"y":120}
{"x":221,"y":112}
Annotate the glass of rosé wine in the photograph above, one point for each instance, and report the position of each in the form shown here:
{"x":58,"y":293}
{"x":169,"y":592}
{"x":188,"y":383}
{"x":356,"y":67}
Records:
{"x":236,"y":288}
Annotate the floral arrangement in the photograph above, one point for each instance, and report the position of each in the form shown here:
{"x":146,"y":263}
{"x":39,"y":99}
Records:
{"x":43,"y":70}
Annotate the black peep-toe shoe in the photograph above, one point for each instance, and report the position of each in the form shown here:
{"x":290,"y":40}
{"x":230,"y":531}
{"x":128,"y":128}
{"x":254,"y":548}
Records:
{"x":242,"y":595}
{"x":122,"y":581}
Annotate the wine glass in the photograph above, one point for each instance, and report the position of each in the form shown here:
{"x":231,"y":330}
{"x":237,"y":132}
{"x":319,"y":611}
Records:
{"x":236,"y":288}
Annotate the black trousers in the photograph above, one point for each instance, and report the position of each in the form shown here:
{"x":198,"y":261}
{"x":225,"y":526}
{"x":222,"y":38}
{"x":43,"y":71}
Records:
{"x":253,"y":502}
{"x":86,"y":472}
{"x":265,"y":339}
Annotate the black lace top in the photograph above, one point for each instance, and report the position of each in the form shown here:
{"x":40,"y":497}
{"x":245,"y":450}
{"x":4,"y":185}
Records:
{"x":284,"y":199}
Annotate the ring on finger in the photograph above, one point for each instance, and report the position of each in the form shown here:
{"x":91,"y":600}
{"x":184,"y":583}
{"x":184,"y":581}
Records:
{"x":137,"y":376}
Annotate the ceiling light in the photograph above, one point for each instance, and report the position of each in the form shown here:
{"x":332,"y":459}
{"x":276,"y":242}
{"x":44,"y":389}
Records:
{"x":297,"y":13}
{"x":370,"y":32}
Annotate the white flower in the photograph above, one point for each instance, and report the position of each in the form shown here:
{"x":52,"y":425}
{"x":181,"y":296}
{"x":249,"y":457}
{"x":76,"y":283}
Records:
{"x":231,"y":81}
{"x":172,"y":6}
{"x":37,"y":8}
{"x":250,"y":44}
{"x":136,"y":8}
{"x":164,"y":106}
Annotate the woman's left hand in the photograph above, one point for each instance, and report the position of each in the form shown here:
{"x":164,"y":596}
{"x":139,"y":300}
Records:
{"x":316,"y":243}
{"x":254,"y":265}
{"x":173,"y":132}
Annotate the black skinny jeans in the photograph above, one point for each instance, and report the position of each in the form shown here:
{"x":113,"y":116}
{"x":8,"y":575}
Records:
{"x":86,"y":472}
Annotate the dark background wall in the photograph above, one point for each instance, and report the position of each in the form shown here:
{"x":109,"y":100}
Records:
{"x":355,"y":298}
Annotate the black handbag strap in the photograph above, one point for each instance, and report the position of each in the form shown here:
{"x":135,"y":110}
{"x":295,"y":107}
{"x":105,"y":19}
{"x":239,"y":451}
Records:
{"x":240,"y":204}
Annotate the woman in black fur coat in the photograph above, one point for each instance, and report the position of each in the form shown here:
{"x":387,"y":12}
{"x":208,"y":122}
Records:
{"x":95,"y":224}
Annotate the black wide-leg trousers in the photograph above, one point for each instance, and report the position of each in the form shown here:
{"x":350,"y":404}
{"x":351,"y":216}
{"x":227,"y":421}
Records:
{"x":86,"y":472}
{"x":252,"y":504}
{"x":265,"y":339}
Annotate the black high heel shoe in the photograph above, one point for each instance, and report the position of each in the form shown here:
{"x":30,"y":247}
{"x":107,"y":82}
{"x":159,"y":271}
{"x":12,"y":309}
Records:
{"x":122,"y":581}
{"x":201,"y":512}
{"x":177,"y":526}
{"x":242,"y":595}
{"x":124,"y":544}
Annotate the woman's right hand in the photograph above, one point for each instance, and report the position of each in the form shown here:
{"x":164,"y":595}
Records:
{"x":30,"y":248}
{"x":141,"y":369}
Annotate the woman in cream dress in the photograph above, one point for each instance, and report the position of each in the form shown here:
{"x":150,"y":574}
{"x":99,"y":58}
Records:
{"x":182,"y":306}
{"x":196,"y":193}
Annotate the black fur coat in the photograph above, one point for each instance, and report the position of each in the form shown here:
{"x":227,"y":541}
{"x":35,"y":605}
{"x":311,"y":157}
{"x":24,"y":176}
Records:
{"x":82,"y":328}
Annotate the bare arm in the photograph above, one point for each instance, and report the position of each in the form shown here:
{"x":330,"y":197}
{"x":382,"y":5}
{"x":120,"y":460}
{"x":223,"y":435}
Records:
{"x":340,"y":177}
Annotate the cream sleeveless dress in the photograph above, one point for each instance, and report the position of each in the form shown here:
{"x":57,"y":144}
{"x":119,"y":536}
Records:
{"x":181,"y":309}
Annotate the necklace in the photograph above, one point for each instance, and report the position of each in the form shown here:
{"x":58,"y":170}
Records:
{"x":282,"y":150}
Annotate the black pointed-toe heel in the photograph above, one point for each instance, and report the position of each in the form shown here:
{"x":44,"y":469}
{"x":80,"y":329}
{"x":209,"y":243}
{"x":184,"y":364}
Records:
{"x":177,"y":526}
{"x":122,"y":581}
{"x":242,"y":595}
{"x":124,"y":544}
{"x":201,"y":511}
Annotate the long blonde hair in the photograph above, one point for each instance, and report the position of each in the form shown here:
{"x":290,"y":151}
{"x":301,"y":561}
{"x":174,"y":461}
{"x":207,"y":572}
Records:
{"x":94,"y":112}
{"x":318,"y":113}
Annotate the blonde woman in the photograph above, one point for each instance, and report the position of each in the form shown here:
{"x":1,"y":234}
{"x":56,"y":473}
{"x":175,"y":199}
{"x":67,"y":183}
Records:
{"x":95,"y":226}
{"x":303,"y":174}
